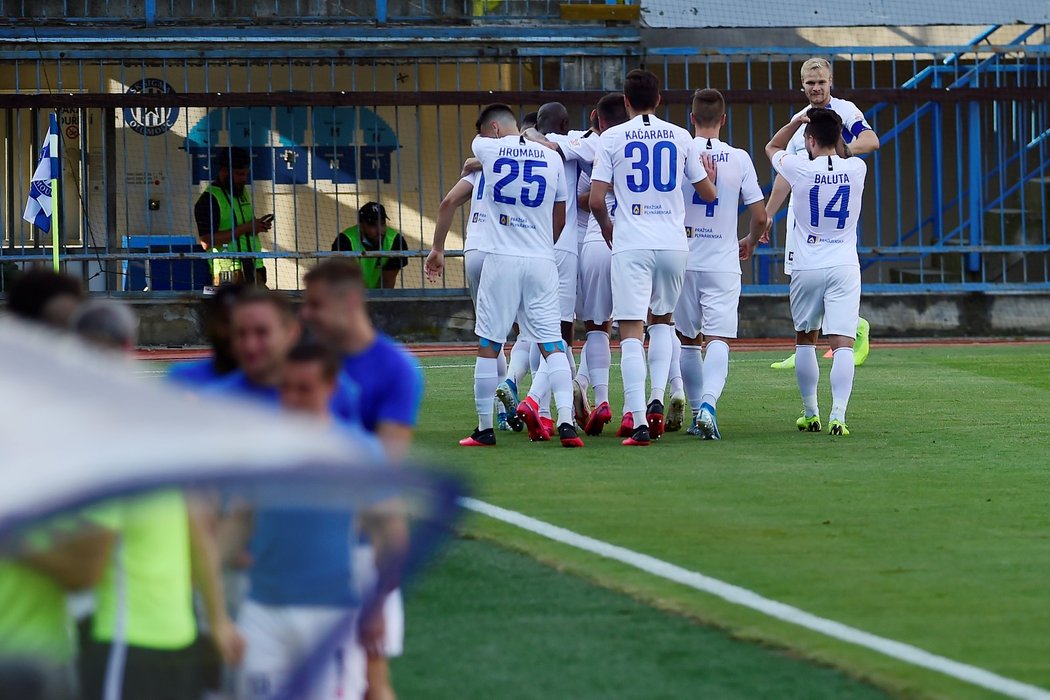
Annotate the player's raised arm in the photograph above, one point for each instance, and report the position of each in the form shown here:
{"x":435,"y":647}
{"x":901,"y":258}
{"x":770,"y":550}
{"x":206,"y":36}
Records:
{"x":456,"y":197}
{"x":780,"y":139}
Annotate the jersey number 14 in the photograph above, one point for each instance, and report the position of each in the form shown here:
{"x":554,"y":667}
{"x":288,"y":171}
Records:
{"x":837,"y":208}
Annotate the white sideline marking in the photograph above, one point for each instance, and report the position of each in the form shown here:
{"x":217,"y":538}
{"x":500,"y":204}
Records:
{"x":749,"y":599}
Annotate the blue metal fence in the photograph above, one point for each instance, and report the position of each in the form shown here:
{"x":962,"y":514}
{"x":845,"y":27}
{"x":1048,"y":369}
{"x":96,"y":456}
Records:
{"x":956,"y":200}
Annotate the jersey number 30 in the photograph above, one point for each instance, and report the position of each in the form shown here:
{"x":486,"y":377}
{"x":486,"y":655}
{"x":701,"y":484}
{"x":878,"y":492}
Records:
{"x":837,"y":208}
{"x":528,"y":176}
{"x":660,"y":170}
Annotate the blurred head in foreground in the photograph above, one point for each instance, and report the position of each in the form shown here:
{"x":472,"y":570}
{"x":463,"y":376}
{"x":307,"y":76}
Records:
{"x":107,"y":324}
{"x":215,"y":323}
{"x":263,"y":331}
{"x":334,"y":303}
{"x":309,"y":378}
{"x":44,"y":296}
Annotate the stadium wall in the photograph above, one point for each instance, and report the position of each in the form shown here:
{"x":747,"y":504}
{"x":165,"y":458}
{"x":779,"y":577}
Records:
{"x":423,"y":319}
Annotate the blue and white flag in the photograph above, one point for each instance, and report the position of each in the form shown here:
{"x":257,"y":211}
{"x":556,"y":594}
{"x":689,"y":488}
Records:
{"x":40,"y":205}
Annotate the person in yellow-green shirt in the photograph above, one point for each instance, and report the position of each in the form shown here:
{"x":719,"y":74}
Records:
{"x":37,"y":643}
{"x":372,"y":234}
{"x":226,"y":220}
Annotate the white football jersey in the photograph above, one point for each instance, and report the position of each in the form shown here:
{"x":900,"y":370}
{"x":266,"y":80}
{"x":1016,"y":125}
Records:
{"x":648,"y":161}
{"x":711,"y":227}
{"x":523,"y":180}
{"x":828,"y":191}
{"x":853,"y":123}
{"x":568,"y":241}
{"x":478,"y":223}
{"x":593,"y":231}
{"x":581,"y":146}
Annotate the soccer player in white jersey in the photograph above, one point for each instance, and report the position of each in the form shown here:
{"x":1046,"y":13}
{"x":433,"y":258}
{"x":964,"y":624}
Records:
{"x":595,"y":265}
{"x":645,"y":162}
{"x":707,"y":309}
{"x":525,"y":193}
{"x":857,"y":135}
{"x":469,"y":188}
{"x":825,"y":277}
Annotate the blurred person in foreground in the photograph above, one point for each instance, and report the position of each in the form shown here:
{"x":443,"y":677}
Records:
{"x":142,"y":631}
{"x":215,"y":324}
{"x":391,"y":386}
{"x":44,"y":296}
{"x":302,"y":567}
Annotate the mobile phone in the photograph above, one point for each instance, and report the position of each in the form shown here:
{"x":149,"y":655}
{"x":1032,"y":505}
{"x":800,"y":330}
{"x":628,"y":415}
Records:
{"x":268,"y":218}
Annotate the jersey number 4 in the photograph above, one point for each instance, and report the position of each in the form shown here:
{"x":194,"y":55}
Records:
{"x":660,"y":170}
{"x":837,"y":208}
{"x":528,"y":176}
{"x":709,"y":207}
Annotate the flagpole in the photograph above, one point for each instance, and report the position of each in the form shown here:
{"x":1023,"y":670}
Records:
{"x":54,"y":223}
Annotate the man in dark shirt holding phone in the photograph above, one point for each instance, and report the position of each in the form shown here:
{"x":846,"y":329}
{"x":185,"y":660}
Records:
{"x":226,"y":220}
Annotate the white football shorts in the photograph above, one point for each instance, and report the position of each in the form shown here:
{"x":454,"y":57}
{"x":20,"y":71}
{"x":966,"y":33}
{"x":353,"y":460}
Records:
{"x":280,"y":638}
{"x":644,"y":280}
{"x":473,"y":262}
{"x":567,"y":264}
{"x":708,"y":304}
{"x":515,"y":288}
{"x":827,"y":299}
{"x":596,"y":281}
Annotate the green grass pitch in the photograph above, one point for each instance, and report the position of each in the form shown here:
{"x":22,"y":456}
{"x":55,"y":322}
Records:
{"x":929,"y":525}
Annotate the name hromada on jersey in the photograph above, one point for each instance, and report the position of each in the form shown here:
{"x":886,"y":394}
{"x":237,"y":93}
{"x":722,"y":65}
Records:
{"x":523,"y":180}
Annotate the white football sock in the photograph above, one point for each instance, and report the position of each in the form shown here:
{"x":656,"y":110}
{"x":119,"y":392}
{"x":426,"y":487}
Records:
{"x":807,"y":372}
{"x":598,"y":356}
{"x":693,"y":374}
{"x":716,"y":369}
{"x":675,"y":376}
{"x":632,"y":369}
{"x":561,"y":385}
{"x":842,"y":370}
{"x":540,"y":391}
{"x":660,"y":343}
{"x":501,"y":365}
{"x":519,"y":361}
{"x":570,"y":359}
{"x":485,"y":382}
{"x":583,"y":374}
{"x":535,"y":357}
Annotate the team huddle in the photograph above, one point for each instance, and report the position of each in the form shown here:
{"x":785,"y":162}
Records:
{"x":633,"y":223}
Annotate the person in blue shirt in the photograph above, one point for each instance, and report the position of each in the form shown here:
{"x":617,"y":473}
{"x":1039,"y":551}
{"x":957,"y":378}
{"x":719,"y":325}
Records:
{"x":215,"y":322}
{"x":302,"y":574}
{"x":391,"y":390}
{"x":263,"y":330}
{"x":388,"y":377}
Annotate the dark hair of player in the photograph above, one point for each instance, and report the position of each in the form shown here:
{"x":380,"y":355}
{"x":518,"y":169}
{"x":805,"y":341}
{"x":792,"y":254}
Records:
{"x":529,"y":119}
{"x":32,"y":290}
{"x":709,"y":106}
{"x":309,"y":351}
{"x":269,"y":297}
{"x":825,"y":126}
{"x":642,"y":89}
{"x":337,"y":272}
{"x":492,"y":112}
{"x":612,"y":110}
{"x":594,"y":124}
